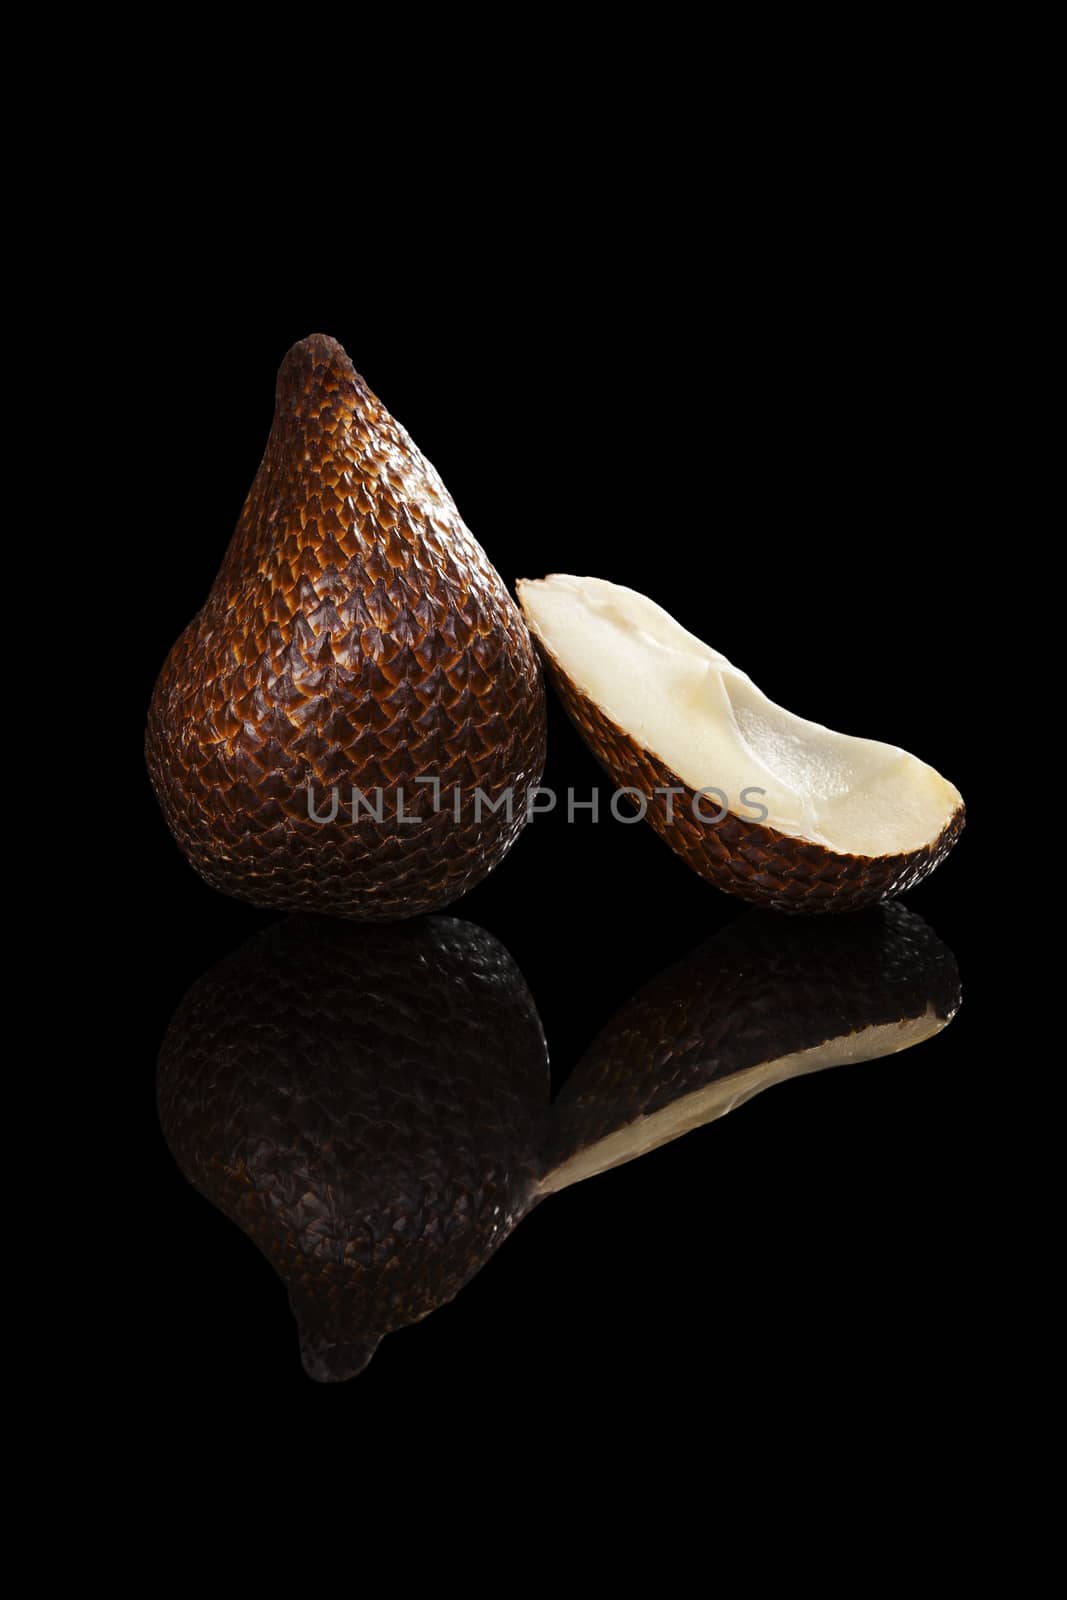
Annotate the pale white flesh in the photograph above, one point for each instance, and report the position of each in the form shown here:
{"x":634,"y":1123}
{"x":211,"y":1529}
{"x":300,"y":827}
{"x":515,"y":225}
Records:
{"x":707,"y":1104}
{"x":708,"y":723}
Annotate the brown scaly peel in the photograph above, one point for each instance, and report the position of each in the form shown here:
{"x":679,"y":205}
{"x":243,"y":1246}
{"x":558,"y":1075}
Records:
{"x":368,"y":1106}
{"x":760,"y":1002}
{"x":850,"y":821}
{"x":356,"y":636}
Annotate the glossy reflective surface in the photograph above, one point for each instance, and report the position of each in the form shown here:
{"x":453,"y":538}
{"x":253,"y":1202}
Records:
{"x":371,"y":1106}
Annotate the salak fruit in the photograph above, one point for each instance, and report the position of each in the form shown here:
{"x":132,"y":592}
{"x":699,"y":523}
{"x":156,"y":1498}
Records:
{"x":780,"y":811}
{"x":319,"y":734}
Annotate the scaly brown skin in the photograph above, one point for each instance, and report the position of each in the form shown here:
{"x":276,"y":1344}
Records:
{"x":368,"y":1106}
{"x":356,"y":635}
{"x":744,"y":858}
{"x":761,"y":989}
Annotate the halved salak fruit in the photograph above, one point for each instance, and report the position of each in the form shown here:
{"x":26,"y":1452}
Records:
{"x":847,"y":821}
{"x":760,"y":1002}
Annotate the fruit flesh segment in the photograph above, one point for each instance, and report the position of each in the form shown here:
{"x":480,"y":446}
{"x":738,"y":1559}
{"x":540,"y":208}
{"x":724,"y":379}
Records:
{"x":711,"y":726}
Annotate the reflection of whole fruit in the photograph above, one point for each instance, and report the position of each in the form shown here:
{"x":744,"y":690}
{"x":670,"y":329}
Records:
{"x":367,"y":1107}
{"x":356,"y":638}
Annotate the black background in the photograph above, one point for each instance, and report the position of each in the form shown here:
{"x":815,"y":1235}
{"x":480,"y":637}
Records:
{"x":769,"y":434}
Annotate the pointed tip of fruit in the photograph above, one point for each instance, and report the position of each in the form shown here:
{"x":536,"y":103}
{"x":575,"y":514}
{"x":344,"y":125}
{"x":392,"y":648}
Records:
{"x":326,"y":1362}
{"x":312,"y":364}
{"x":318,"y":349}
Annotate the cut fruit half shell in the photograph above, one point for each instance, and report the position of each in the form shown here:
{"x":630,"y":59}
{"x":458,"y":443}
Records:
{"x":763,"y":804}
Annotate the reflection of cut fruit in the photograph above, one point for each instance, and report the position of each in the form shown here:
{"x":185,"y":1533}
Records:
{"x":367,"y":1107}
{"x":848,"y":821}
{"x":760,"y":1002}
